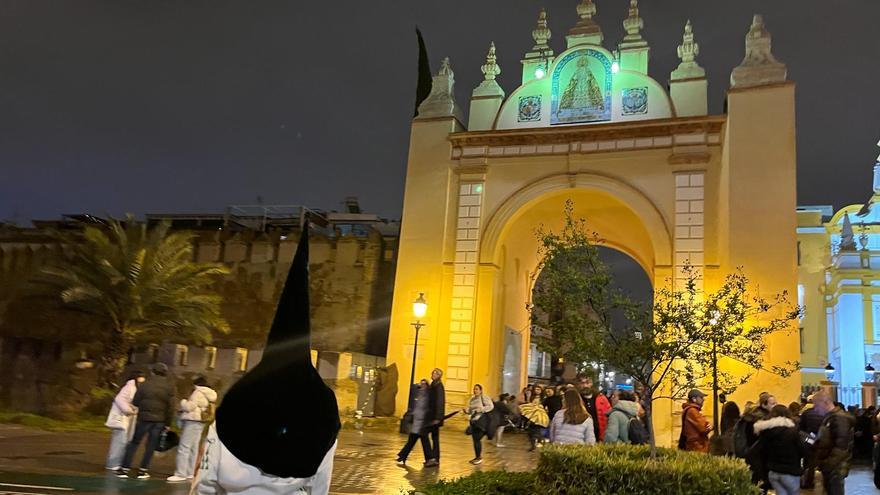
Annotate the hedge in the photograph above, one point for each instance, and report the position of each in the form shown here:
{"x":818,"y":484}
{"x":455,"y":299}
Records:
{"x":607,"y":470}
{"x":485,"y":483}
{"x":616,"y":469}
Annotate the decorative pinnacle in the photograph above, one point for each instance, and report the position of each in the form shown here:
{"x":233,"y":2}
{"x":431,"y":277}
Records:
{"x":689,"y":49}
{"x":586,"y":9}
{"x":490,"y":68}
{"x":759,"y":67}
{"x":445,"y":68}
{"x":633,"y":24}
{"x":541,"y":34}
{"x":586,"y":26}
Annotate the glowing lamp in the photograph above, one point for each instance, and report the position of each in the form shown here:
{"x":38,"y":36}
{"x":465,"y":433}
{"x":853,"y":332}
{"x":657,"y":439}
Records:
{"x":615,"y":67}
{"x":539,"y":73}
{"x":420,"y":306}
{"x":829,"y":371}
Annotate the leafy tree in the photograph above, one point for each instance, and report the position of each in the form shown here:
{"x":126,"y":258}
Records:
{"x":678,"y":344}
{"x":140,"y":283}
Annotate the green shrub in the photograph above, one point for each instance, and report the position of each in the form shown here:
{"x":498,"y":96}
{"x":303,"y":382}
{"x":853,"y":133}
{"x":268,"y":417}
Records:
{"x":616,"y":469}
{"x":485,"y":483}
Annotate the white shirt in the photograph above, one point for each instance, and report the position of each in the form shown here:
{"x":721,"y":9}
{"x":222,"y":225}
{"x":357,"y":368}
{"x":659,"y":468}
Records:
{"x":222,"y":473}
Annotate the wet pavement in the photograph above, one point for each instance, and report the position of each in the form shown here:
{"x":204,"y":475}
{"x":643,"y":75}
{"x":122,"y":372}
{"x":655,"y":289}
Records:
{"x":39,"y":462}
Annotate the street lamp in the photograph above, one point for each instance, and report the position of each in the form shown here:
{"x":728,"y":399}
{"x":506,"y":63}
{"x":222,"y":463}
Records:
{"x":869,"y":373}
{"x":420,"y":307}
{"x":829,"y":371}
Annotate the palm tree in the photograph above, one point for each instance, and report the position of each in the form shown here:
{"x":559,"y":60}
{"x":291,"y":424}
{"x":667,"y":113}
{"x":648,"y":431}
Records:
{"x":140,"y":282}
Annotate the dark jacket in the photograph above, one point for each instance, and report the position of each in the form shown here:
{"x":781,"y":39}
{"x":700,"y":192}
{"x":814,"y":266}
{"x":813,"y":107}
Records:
{"x":835,"y":442}
{"x":810,"y":421}
{"x":751,"y":417}
{"x":155,"y":400}
{"x":436,"y":402}
{"x":778,"y":448}
{"x":553,"y":405}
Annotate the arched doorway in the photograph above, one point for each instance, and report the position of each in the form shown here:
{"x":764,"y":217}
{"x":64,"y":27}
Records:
{"x":629,"y":277}
{"x":627,"y":222}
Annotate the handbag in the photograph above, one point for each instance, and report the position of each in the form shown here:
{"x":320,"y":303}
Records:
{"x":406,"y":423}
{"x":167,"y":441}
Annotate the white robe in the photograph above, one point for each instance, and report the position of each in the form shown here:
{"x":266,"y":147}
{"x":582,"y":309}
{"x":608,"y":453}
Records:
{"x":222,"y":473}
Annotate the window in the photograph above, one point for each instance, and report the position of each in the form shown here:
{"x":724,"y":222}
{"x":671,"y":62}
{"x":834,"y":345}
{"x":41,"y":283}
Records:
{"x":799,"y":253}
{"x":153,"y":353}
{"x":181,"y":355}
{"x":210,"y":357}
{"x":801,"y":334}
{"x":241,"y":356}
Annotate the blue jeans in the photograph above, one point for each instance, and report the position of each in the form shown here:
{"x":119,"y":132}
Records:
{"x":188,"y":448}
{"x":785,"y":484}
{"x":150,"y":429}
{"x":118,"y":439}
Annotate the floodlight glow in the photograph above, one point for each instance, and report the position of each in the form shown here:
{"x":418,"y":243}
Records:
{"x":539,"y":73}
{"x":615,"y":67}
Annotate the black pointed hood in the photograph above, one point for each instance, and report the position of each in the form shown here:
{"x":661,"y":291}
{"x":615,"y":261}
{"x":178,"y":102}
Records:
{"x":280,"y":416}
{"x":423,"y":88}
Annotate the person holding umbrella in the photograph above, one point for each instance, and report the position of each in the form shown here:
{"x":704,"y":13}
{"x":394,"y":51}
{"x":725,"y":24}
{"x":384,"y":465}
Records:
{"x":536,"y":416}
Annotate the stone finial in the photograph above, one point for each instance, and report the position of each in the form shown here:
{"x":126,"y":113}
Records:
{"x":847,"y":237}
{"x":759,"y":67}
{"x":687,"y":52}
{"x":541,"y":34}
{"x":633,"y":24}
{"x":586,"y":29}
{"x":441,"y":101}
{"x":490,"y":69}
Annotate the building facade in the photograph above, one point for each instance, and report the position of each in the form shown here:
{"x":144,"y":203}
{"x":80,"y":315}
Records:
{"x":839,"y":288}
{"x":353,"y":255}
{"x":653,"y":173}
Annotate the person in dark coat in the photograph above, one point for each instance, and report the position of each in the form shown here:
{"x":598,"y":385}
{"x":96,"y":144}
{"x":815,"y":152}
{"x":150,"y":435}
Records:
{"x":553,"y":400}
{"x":834,"y":444}
{"x":811,"y":420}
{"x":778,"y":451}
{"x":156,"y":405}
{"x":419,"y":429}
{"x":502,"y":415}
{"x":722,"y":442}
{"x":436,"y":413}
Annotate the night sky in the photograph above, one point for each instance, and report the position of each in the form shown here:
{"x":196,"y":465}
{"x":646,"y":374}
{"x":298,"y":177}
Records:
{"x":188,"y":106}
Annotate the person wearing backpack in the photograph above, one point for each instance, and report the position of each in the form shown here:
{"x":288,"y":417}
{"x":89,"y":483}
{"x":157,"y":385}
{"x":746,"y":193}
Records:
{"x":623,"y":410}
{"x":744,"y":435}
{"x":195,"y":413}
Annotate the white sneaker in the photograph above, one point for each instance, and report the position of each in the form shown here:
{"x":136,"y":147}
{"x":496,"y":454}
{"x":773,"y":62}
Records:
{"x":114,"y":468}
{"x":175,"y":479}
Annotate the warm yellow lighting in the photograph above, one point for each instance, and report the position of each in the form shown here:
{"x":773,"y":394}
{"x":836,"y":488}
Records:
{"x":420,"y":306}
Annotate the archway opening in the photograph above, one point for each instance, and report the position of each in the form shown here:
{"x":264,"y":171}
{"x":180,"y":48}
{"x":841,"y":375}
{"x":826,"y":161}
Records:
{"x":629,"y":232}
{"x":628,"y":277}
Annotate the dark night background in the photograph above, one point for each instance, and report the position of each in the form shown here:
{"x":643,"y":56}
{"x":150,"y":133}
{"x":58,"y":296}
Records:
{"x":188,"y":106}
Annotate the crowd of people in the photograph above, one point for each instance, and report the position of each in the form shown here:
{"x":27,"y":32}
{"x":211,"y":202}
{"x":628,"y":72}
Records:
{"x":145,"y":408}
{"x":782,"y":445}
{"x":574,"y":413}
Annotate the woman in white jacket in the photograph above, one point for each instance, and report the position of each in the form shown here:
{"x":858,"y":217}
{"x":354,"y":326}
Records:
{"x":572,"y":424}
{"x":120,"y":419}
{"x":192,"y":416}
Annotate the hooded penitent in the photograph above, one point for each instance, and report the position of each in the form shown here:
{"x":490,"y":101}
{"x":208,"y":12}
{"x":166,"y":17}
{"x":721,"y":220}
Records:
{"x":280,"y":417}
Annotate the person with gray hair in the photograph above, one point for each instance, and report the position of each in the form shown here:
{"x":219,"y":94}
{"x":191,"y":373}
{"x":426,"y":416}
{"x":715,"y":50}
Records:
{"x":834,"y":444}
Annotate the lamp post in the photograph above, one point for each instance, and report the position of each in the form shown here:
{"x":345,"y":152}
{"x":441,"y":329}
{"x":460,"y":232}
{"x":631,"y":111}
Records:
{"x":420,"y":307}
{"x":829,"y":371}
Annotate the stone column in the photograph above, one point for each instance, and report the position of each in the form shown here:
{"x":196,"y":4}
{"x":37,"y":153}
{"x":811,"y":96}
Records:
{"x":869,"y":394}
